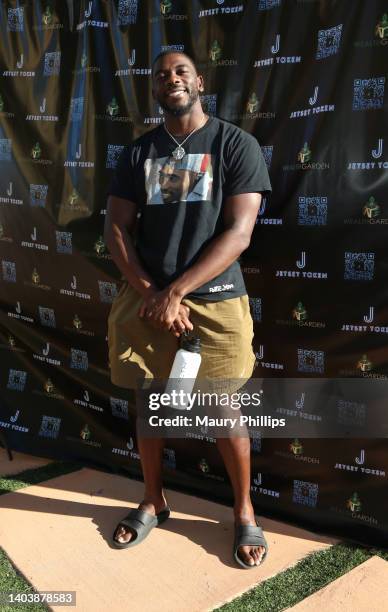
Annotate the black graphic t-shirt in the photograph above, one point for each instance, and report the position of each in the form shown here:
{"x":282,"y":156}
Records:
{"x":181,"y":201}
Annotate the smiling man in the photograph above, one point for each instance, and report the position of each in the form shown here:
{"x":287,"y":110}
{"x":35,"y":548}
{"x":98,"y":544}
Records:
{"x":192,"y":187}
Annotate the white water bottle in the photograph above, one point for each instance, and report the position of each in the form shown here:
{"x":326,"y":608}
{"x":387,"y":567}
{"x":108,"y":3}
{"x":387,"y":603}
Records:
{"x":184,"y":369}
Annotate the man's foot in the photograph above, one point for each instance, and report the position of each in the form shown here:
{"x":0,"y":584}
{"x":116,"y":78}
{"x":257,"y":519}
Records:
{"x":251,"y":555}
{"x":123,"y":534}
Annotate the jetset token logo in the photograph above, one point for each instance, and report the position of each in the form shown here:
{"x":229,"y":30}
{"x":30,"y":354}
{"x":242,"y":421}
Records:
{"x":323,"y":108}
{"x":278,"y":59}
{"x":376,"y":153}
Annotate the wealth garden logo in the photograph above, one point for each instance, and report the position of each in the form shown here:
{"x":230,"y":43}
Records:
{"x":365,"y":324}
{"x":112,"y":155}
{"x":328,"y":42}
{"x":91,"y":23}
{"x":19,"y":72}
{"x":376,"y":154}
{"x":74,"y":203}
{"x":85,"y":67}
{"x":48,"y":20}
{"x":305,"y":161}
{"x":36,"y":156}
{"x":77,"y":161}
{"x":379,"y":37}
{"x":35,"y":281}
{"x":127,"y":12}
{"x":38,"y":195}
{"x":8,"y":199}
{"x":353,"y":506}
{"x":222,"y":9}
{"x":359,"y":266}
{"x":277,"y":59}
{"x":305,"y":493}
{"x":166,"y":13}
{"x":295,"y":453}
{"x":368,"y":93}
{"x":215,"y":56}
{"x":9,"y":271}
{"x":52,"y":63}
{"x":64,"y":242}
{"x":15,"y":19}
{"x":252,"y":110}
{"x":313,"y":110}
{"x":3,"y":112}
{"x":43,"y":116}
{"x":300,"y":318}
{"x":301,"y":263}
{"x":369,"y":214}
{"x":16,"y":380}
{"x":107,"y":291}
{"x":312,"y":210}
{"x":5,"y":149}
{"x":255,"y":306}
{"x":78,"y":327}
{"x":112,"y":113}
{"x":85,"y":436}
{"x":119,"y":407}
{"x":49,"y":427}
{"x":359,"y":467}
{"x":363,"y":367}
{"x":99,"y":250}
{"x":311,"y":362}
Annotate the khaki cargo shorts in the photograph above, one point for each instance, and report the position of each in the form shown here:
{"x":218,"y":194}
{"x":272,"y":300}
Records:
{"x":138,"y":351}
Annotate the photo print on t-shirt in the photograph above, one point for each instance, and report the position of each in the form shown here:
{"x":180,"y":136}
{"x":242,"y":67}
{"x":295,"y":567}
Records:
{"x":169,"y":181}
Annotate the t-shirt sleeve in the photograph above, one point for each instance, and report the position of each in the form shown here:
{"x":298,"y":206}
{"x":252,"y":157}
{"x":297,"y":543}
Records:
{"x":122,"y":184}
{"x":246,"y":169}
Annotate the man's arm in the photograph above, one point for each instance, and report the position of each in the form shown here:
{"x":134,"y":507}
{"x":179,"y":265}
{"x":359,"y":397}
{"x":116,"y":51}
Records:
{"x":120,"y":221}
{"x":240,"y":213}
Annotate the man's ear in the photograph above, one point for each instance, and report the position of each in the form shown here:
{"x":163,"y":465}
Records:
{"x":201,"y":84}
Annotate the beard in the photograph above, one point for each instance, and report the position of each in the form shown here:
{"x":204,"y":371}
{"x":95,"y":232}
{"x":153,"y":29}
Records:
{"x":179,"y":111}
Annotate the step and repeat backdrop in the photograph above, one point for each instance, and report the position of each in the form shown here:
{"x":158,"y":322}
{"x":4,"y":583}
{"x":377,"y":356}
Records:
{"x":308,"y":79}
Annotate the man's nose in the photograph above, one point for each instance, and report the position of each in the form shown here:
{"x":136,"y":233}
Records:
{"x":174,"y":79}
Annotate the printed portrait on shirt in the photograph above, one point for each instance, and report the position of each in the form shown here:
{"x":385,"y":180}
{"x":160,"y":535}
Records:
{"x":169,"y":181}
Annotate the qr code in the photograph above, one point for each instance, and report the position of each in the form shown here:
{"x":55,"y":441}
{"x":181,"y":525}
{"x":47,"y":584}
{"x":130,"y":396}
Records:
{"x":5,"y":149}
{"x":79,"y":359}
{"x":76,"y":109}
{"x":368,"y":93}
{"x":351,"y":413}
{"x":16,"y":19}
{"x":312,"y":210}
{"x":264,"y":5}
{"x":311,"y":361}
{"x":255,"y":305}
{"x":52,"y":63}
{"x":9,"y":271}
{"x":49,"y":427}
{"x":359,"y":266}
{"x":17,"y":380}
{"x":108,"y":291}
{"x":329,"y":41}
{"x":209,"y":103}
{"x":38,"y":195}
{"x":267,"y":154}
{"x":113,"y":154}
{"x":127,"y":13}
{"x":64,"y":243}
{"x":47,"y":316}
{"x":305,"y":493}
{"x":119,"y":407}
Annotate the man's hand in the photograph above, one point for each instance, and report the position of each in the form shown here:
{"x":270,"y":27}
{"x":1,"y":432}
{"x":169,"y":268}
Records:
{"x":164,"y":310}
{"x":182,"y":322}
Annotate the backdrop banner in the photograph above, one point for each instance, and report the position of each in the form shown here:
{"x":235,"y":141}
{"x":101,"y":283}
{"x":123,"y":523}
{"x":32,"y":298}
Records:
{"x":308,"y":79}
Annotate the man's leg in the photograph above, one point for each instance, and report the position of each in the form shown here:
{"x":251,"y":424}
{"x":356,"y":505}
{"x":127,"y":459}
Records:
{"x":236,"y":453}
{"x":151,"y":456}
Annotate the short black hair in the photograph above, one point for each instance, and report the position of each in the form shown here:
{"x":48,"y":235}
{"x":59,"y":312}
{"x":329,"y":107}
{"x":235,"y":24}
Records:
{"x":173,"y":52}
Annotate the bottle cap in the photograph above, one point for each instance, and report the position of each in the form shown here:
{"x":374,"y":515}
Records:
{"x":190,"y":343}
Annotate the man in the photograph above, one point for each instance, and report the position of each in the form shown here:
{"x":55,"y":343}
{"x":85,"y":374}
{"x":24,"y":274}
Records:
{"x":182,"y":272}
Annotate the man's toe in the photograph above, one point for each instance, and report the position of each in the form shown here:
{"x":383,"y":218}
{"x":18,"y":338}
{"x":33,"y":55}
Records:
{"x":244,"y":552}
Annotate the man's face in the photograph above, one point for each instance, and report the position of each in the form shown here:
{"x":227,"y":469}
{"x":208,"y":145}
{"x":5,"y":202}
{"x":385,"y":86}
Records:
{"x":175,"y":84}
{"x":175,"y":185}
